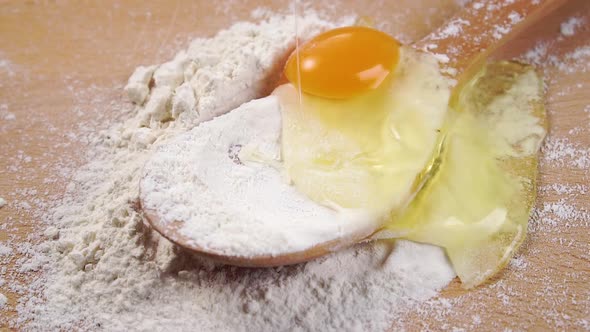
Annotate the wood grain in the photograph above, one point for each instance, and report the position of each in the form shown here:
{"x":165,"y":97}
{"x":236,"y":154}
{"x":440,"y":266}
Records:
{"x":56,"y":50}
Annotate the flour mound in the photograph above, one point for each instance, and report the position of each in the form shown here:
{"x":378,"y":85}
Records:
{"x":104,"y":269}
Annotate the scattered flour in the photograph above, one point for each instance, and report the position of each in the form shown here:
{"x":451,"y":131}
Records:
{"x":562,"y":152}
{"x":104,"y":269}
{"x":7,"y":66}
{"x":568,"y":28}
{"x":452,"y":28}
{"x":5,"y":250}
{"x":5,"y":114}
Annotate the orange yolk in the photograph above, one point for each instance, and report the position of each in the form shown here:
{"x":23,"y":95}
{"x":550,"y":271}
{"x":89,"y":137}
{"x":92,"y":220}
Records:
{"x":343,"y":62}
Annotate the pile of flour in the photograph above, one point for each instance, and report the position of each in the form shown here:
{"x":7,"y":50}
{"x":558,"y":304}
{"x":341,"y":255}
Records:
{"x":103,"y":268}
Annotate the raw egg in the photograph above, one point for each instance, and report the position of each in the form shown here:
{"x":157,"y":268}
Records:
{"x":364,"y":151}
{"x":372,"y":130}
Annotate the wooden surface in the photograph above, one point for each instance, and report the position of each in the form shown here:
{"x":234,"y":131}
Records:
{"x":59,"y":57}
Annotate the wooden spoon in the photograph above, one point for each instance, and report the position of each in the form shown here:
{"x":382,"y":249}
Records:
{"x":463,"y":43}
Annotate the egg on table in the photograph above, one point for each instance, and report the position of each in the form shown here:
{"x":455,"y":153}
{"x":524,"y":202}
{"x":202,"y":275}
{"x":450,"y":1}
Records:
{"x":362,"y":142}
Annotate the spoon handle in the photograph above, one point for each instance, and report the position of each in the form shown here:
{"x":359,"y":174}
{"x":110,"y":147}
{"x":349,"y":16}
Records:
{"x":466,"y":40}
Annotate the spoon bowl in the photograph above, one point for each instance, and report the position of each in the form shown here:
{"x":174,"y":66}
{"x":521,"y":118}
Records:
{"x":463,"y":44}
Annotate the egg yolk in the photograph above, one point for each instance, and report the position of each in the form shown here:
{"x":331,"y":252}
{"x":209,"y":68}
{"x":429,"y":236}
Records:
{"x":343,"y":62}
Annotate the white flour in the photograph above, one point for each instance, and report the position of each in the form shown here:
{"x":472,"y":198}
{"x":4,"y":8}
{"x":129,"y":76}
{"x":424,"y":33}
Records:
{"x":221,"y":181}
{"x":152,"y":285}
{"x":568,"y":28}
{"x":104,"y":269}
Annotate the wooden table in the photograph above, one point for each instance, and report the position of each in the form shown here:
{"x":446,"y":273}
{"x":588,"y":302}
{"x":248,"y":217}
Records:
{"x":58,"y":57}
